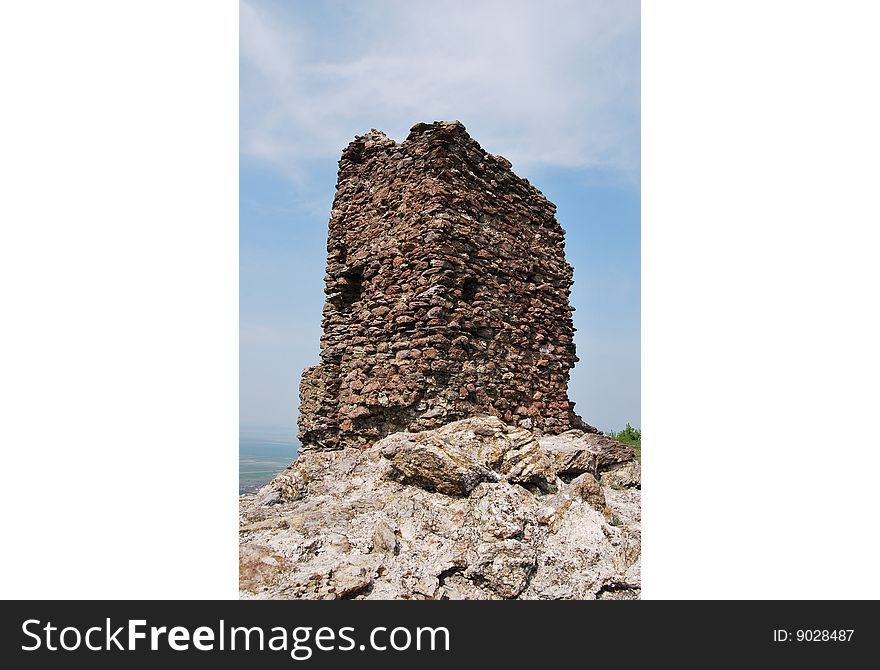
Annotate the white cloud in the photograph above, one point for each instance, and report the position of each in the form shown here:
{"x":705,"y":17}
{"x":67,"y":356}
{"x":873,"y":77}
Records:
{"x":543,"y":83}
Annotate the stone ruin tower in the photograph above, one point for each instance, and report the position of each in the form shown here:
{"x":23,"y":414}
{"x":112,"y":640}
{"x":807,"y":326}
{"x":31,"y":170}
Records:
{"x":447,"y":295}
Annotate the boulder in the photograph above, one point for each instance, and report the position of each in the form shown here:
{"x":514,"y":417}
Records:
{"x":455,"y":458}
{"x":433,"y":464}
{"x":573,"y":454}
{"x":568,"y":456}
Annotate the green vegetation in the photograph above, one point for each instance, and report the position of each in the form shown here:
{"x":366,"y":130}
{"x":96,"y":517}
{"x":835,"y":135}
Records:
{"x":631,"y":436}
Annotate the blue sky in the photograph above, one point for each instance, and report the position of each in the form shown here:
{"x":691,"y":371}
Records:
{"x":552,"y":86}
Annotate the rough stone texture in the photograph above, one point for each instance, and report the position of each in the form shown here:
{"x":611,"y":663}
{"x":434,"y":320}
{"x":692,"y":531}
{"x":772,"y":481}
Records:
{"x":455,"y":458}
{"x":447,"y":295}
{"x":576,"y":452}
{"x":347,"y":524}
{"x":623,"y":475}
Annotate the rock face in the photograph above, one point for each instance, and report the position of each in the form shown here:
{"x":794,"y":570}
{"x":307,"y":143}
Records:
{"x":447,"y":295}
{"x":475,"y":509}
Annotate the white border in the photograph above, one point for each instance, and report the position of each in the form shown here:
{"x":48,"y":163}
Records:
{"x":760,"y":276}
{"x":118,"y":263}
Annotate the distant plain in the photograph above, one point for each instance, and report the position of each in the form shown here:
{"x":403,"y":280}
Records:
{"x":262,"y":454}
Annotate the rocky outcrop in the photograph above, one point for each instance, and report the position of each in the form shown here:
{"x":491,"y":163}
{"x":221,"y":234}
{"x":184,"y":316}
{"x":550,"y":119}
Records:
{"x":475,"y":509}
{"x":447,"y":295}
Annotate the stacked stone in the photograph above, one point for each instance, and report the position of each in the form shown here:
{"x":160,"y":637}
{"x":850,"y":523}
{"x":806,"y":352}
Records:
{"x":447,"y":295}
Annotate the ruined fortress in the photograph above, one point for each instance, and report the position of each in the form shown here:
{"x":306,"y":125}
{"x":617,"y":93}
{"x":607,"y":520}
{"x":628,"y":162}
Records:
{"x":441,"y":457}
{"x":447,"y":295}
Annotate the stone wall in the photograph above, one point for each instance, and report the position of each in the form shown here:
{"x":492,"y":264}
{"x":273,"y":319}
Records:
{"x":447,"y":295}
